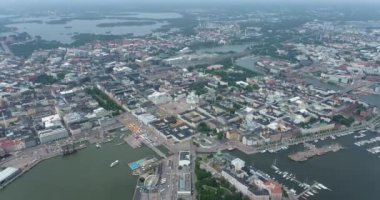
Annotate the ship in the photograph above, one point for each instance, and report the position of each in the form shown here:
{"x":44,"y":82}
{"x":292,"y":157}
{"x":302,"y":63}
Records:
{"x":359,"y":136}
{"x":98,"y":145}
{"x":114,"y":163}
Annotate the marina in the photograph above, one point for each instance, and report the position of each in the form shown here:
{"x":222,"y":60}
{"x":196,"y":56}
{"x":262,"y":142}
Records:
{"x":306,"y":190}
{"x":346,"y":163}
{"x":374,"y":150}
{"x":368,"y":141}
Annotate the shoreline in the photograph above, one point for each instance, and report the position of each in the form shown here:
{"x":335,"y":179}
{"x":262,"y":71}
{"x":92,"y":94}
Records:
{"x":34,"y":163}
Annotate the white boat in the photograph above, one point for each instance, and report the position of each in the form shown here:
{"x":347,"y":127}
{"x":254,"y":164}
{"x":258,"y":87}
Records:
{"x":275,"y":167}
{"x":98,"y":145}
{"x":322,"y":186}
{"x":359,"y":136}
{"x":114,"y":163}
{"x":310,"y":193}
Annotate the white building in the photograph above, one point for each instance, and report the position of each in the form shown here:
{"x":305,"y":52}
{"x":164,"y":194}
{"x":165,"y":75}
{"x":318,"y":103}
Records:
{"x":160,"y":97}
{"x":54,"y":129}
{"x":49,"y":135}
{"x":184,"y":158}
{"x":238,"y":163}
{"x":244,"y":188}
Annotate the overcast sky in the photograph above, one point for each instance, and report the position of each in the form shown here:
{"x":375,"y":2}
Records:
{"x":23,"y":5}
{"x":177,"y":1}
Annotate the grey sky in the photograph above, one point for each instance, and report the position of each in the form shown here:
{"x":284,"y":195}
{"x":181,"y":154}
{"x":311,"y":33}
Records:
{"x":3,"y":2}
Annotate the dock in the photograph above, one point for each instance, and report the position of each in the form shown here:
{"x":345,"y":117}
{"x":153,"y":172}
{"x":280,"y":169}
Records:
{"x":307,"y":191}
{"x":312,"y":150}
{"x":132,"y":141}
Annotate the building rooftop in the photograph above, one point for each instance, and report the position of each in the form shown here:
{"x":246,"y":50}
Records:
{"x":7,"y":172}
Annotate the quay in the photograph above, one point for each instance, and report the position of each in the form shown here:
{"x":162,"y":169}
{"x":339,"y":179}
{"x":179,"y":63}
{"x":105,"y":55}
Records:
{"x":136,"y":143}
{"x":312,"y":151}
{"x":31,"y":158}
{"x":132,"y":141}
{"x":71,"y":148}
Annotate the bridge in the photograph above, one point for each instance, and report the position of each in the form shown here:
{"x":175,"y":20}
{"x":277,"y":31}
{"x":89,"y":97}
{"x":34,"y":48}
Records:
{"x":309,"y":189}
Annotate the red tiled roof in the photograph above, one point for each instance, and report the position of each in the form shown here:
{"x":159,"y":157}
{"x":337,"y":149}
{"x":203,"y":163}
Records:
{"x":273,"y":186}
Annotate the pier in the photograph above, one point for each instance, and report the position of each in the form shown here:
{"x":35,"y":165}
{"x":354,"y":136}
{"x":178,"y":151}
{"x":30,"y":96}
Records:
{"x":132,"y":141}
{"x":313,"y":151}
{"x":136,"y":143}
{"x":308,"y":191}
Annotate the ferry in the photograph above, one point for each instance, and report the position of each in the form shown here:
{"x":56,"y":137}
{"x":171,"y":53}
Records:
{"x":114,"y":163}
